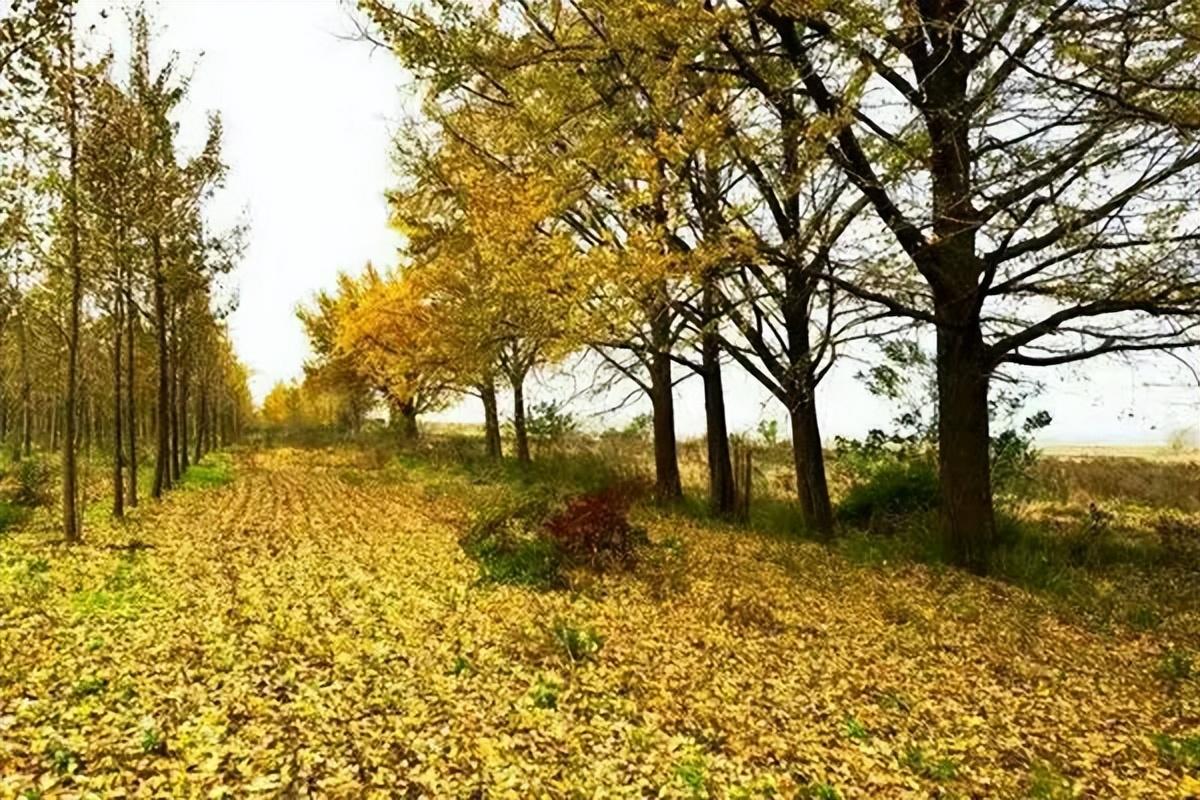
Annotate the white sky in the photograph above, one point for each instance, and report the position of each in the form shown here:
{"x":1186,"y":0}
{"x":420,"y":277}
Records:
{"x":308,"y":120}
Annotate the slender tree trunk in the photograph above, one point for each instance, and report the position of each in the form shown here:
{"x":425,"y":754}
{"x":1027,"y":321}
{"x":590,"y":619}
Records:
{"x":173,"y":400}
{"x":520,"y":431}
{"x":491,"y":420}
{"x":70,"y":491}
{"x":722,"y":495}
{"x":162,"y":466}
{"x":131,"y":392}
{"x":184,"y":433}
{"x":26,"y":393}
{"x":201,"y":418}
{"x":118,"y":439}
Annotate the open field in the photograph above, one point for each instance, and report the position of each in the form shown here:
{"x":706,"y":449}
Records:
{"x":312,"y":627}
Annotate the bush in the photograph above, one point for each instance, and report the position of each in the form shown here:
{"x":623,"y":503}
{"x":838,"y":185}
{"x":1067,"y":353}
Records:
{"x":894,"y":489}
{"x":550,"y":422}
{"x":506,"y":541}
{"x":533,"y":537}
{"x":33,"y":476}
{"x":593,"y":529}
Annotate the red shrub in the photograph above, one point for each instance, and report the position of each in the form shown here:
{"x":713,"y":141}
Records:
{"x":593,"y":528}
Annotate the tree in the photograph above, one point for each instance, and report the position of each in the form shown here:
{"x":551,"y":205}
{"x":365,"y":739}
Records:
{"x":1025,"y":162}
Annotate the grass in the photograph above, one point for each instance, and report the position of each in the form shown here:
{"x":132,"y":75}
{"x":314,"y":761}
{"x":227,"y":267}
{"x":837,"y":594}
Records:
{"x":214,"y":470}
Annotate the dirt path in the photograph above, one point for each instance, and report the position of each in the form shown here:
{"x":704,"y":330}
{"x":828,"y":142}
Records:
{"x":308,"y":630}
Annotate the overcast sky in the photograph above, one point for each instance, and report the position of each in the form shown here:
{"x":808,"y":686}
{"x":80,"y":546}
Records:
{"x":308,"y":120}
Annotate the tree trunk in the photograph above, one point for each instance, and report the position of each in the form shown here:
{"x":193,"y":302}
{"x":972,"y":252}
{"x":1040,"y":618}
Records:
{"x":406,"y":420}
{"x":162,"y":467}
{"x":131,"y":392}
{"x":26,"y":394}
{"x":184,"y":434}
{"x":70,"y":492}
{"x":809,"y":461}
{"x":722,"y":496}
{"x":491,"y":420}
{"x":201,"y":419}
{"x":667,"y":485}
{"x":967,"y":515}
{"x":118,"y":440}
{"x":173,"y":400}
{"x":520,"y":433}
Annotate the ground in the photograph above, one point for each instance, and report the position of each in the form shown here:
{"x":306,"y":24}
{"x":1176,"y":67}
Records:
{"x":312,"y":628}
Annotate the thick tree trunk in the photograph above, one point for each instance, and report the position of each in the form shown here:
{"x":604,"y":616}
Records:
{"x":809,"y":461}
{"x":667,"y":484}
{"x":520,"y":431}
{"x":406,"y":420}
{"x":491,"y":420}
{"x":722,"y":495}
{"x":131,"y":395}
{"x":118,"y":485}
{"x":162,"y":466}
{"x":968,"y":516}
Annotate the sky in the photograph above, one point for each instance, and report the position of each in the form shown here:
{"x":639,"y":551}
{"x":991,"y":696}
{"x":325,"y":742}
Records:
{"x":309,"y":116}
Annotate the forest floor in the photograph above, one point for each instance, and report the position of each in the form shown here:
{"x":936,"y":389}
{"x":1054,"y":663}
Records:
{"x":312,"y":628}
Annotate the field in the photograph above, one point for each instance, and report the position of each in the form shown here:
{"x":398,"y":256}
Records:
{"x":302,"y":621}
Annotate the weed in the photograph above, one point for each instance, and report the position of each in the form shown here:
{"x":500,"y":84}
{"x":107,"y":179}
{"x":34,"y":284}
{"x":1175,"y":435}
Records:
{"x":1182,"y":752}
{"x":89,"y":686}
{"x":1176,"y":666}
{"x":691,"y":773}
{"x":64,"y":760}
{"x":919,"y":763}
{"x":461,"y":666}
{"x":544,"y":693}
{"x":1143,"y":618}
{"x":577,"y":643}
{"x":152,"y":741}
{"x":819,"y":791}
{"x":856,"y":730}
{"x":1046,"y":783}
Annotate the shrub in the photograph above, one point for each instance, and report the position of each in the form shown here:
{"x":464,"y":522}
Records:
{"x":550,"y":421}
{"x":532,"y":537}
{"x":894,"y":489}
{"x":10,"y":515}
{"x":593,"y":529}
{"x":33,"y":476}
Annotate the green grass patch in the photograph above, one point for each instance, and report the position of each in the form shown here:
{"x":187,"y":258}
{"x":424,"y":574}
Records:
{"x":212,"y":471}
{"x":125,"y":593}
